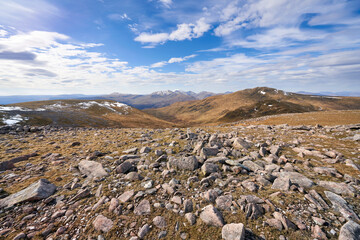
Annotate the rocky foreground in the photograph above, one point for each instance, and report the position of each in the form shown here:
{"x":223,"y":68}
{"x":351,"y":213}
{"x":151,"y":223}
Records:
{"x":251,"y":182}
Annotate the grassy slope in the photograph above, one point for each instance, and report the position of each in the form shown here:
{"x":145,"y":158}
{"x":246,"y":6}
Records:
{"x":327,"y":118}
{"x":242,"y":104}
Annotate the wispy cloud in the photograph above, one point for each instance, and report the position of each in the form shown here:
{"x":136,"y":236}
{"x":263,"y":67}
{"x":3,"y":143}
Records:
{"x":172,"y":60}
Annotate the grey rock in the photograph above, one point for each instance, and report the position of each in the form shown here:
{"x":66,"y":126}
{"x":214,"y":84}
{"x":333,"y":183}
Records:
{"x":208,"y":168}
{"x":191,"y":218}
{"x":297,"y":179}
{"x":143,"y":208}
{"x":133,"y":176}
{"x":211,"y":216}
{"x":102,"y":223}
{"x":252,"y":166}
{"x":188,"y":206}
{"x":143,"y":231}
{"x":183,"y":163}
{"x":125,"y":167}
{"x":92,"y":169}
{"x":241,"y":143}
{"x":282,"y":184}
{"x":224,"y":202}
{"x":350,"y":231}
{"x":208,"y":151}
{"x":276,"y":223}
{"x":233,"y":231}
{"x":39,"y":190}
{"x":339,"y":188}
{"x":340,"y":205}
{"x":159,"y":222}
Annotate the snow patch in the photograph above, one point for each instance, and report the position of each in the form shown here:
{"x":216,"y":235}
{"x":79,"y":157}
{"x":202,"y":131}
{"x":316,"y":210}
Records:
{"x":163,"y":93}
{"x":14,"y":119}
{"x":262,"y":92}
{"x":108,"y":105}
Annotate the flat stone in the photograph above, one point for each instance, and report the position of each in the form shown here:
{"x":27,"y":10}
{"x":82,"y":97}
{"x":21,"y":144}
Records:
{"x":350,"y":231}
{"x":241,"y":143}
{"x":338,"y":188}
{"x":297,"y":179}
{"x":143,"y":208}
{"x":211,"y":216}
{"x":39,"y":190}
{"x":233,"y":231}
{"x":275,"y":223}
{"x":282,"y":184}
{"x":102,"y":223}
{"x":133,"y":176}
{"x":340,"y":205}
{"x":126,"y":196}
{"x":92,"y":169}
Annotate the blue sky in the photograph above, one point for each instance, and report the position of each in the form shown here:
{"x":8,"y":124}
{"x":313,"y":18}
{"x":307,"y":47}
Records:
{"x":141,"y":46}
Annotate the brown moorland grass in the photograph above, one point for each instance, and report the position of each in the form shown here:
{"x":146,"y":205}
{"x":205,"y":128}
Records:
{"x":325,"y":118}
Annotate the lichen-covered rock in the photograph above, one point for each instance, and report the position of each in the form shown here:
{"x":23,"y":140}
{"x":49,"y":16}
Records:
{"x":36,"y":191}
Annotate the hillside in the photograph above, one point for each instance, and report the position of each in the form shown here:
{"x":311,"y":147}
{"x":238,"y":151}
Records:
{"x":78,"y":113}
{"x":250,"y":103}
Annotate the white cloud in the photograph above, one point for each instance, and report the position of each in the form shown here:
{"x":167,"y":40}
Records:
{"x":184,"y":31}
{"x":27,"y":14}
{"x":177,"y":60}
{"x":152,"y":38}
{"x":166,"y":3}
{"x":159,"y":64}
{"x":118,"y":17}
{"x":3,"y":33}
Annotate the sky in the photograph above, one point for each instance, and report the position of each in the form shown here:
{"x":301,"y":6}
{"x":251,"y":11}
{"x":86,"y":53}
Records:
{"x":142,"y":46}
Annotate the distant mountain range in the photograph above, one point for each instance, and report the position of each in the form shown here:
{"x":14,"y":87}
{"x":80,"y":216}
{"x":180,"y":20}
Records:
{"x":343,"y":94}
{"x":187,"y":108}
{"x":140,"y":101}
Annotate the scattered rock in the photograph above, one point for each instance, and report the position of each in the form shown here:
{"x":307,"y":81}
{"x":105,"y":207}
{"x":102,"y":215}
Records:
{"x":39,"y":190}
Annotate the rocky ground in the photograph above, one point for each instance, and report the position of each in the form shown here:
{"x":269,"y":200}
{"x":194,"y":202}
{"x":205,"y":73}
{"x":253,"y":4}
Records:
{"x":226,"y":182}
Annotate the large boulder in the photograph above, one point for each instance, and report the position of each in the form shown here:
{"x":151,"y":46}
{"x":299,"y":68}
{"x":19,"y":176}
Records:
{"x":39,"y":190}
{"x":183,"y":163}
{"x":92,"y":169}
{"x":350,"y":231}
